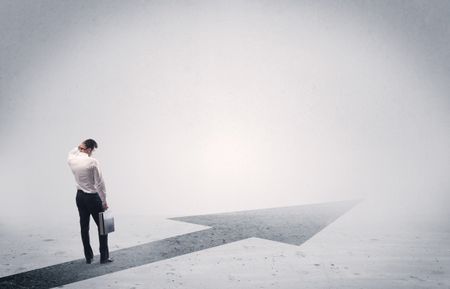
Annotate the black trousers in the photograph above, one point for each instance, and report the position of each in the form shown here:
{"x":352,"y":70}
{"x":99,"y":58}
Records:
{"x":91,"y":204}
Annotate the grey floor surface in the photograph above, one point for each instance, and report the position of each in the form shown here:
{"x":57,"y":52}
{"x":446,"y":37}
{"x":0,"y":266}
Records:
{"x":358,"y":250}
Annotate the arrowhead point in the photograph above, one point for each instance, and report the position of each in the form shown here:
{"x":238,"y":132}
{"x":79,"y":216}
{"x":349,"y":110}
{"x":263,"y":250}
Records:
{"x":293,"y":225}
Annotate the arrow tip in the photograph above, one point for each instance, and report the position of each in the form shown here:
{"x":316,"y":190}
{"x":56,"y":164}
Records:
{"x":293,"y":225}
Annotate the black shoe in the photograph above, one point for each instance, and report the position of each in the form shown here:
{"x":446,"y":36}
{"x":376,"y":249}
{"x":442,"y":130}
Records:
{"x":106,"y":261}
{"x":88,"y":261}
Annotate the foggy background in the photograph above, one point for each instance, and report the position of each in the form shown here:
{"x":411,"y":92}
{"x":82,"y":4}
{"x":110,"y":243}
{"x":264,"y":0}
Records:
{"x":214,"y":106}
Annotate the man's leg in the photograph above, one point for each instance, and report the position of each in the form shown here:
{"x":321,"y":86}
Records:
{"x":103,"y":239}
{"x":84,"y":225}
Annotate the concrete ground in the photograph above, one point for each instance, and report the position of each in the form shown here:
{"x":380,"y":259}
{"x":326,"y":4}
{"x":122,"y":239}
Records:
{"x":359,"y":250}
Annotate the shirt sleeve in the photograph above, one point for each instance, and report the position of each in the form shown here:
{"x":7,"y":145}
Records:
{"x":99,"y":183}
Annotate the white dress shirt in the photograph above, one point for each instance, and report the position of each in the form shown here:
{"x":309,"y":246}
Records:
{"x":87,"y":173}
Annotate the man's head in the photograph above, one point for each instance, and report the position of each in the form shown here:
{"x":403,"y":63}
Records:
{"x":88,"y":146}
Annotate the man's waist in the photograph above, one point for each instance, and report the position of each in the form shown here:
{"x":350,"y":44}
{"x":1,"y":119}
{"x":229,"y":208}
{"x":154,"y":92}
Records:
{"x":89,"y":193}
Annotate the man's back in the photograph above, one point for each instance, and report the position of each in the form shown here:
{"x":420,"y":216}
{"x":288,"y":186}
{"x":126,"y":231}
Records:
{"x":86,"y":172}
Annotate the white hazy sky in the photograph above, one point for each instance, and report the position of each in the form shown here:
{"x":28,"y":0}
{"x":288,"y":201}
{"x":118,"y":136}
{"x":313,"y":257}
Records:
{"x":210,"y":106}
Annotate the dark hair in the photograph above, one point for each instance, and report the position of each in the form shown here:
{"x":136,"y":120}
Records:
{"x":90,"y":143}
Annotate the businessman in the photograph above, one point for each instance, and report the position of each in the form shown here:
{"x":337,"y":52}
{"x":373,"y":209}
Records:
{"x":91,"y":195}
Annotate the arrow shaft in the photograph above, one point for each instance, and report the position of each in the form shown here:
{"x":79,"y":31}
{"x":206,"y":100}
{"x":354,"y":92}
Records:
{"x":77,"y":270}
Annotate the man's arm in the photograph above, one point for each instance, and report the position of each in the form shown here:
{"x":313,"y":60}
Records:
{"x":99,"y":184}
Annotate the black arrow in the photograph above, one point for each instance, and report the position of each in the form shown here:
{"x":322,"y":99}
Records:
{"x":292,"y":225}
